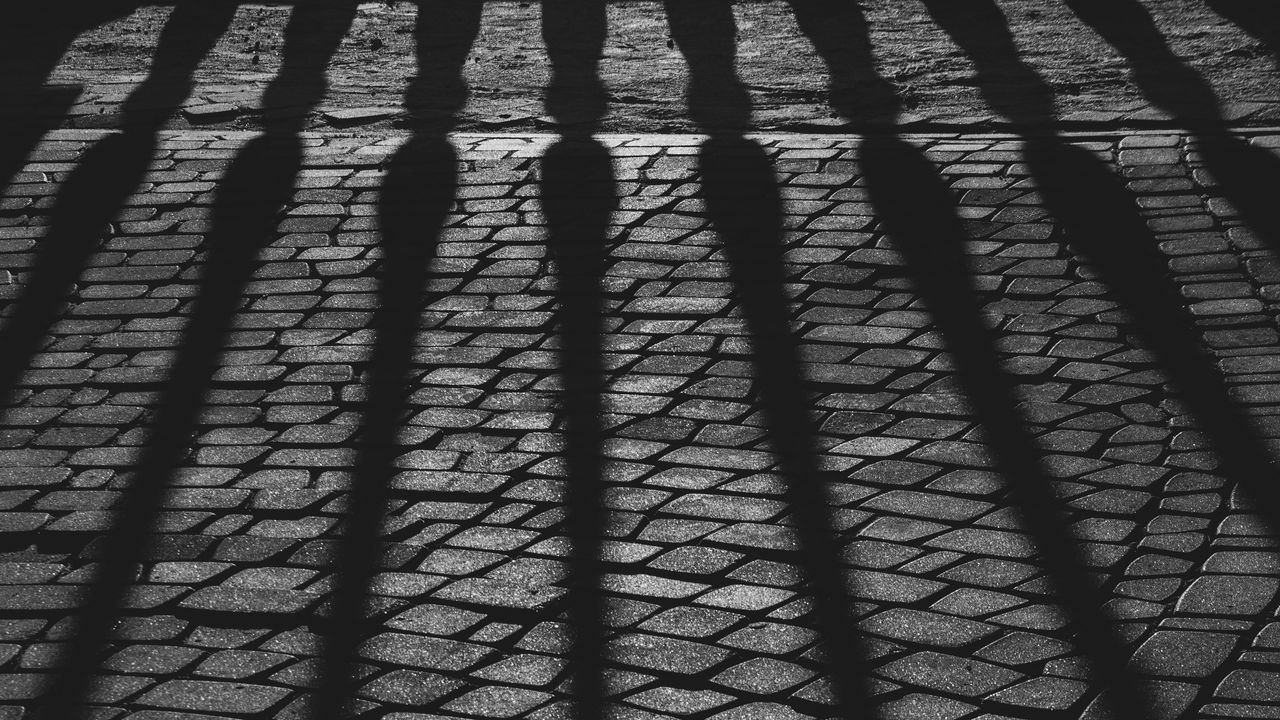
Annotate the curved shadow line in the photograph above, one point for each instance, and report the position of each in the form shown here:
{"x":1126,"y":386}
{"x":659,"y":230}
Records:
{"x":98,"y":187}
{"x":1259,"y":19}
{"x":256,"y":186}
{"x":1100,"y":220}
{"x":917,"y":211}
{"x":416,"y":196}
{"x":745,"y":208}
{"x":418,"y":191}
{"x":1246,"y":174}
{"x":29,"y":51}
{"x":579,"y":196}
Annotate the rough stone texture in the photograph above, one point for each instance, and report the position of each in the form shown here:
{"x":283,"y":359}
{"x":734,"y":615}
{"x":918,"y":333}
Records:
{"x":708,"y":613}
{"x":1232,"y":48}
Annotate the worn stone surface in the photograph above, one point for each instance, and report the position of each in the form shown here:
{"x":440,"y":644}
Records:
{"x":1230,"y":44}
{"x":709,"y":611}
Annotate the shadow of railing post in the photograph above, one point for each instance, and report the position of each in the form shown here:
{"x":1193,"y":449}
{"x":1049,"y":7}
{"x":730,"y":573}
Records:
{"x":1259,"y":19}
{"x":1099,"y":219}
{"x":916,"y":209}
{"x":745,"y":208}
{"x":31,"y":44}
{"x":246,"y":208}
{"x":1246,"y":175}
{"x":917,"y":212}
{"x":417,"y":193}
{"x":579,"y":195}
{"x":99,"y":186}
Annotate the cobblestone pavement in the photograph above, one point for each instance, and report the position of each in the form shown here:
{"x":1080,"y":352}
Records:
{"x":228,"y":378}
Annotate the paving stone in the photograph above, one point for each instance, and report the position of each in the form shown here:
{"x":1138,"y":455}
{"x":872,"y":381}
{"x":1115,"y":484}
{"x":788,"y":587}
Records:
{"x":950,"y":674}
{"x":409,"y":688}
{"x":680,"y":703}
{"x":745,"y":597}
{"x":498,"y":702}
{"x":441,"y":621}
{"x":764,"y":676}
{"x":21,"y":686}
{"x":1228,"y":595}
{"x":423,"y":652}
{"x":691,"y":622}
{"x":347,"y":116}
{"x":918,"y":705}
{"x":759,"y":711}
{"x":1042,"y":694}
{"x":39,"y":599}
{"x":922,"y":627}
{"x":1250,"y":685}
{"x":153,"y":659}
{"x":1021,"y":648}
{"x":249,"y":600}
{"x":665,"y":654}
{"x":240,"y":664}
{"x":1175,"y":653}
{"x":211,"y":696}
{"x":523,"y":669}
{"x":211,"y":112}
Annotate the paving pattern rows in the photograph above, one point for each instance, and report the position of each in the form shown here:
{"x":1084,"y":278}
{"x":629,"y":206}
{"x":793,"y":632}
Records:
{"x":707,"y":610}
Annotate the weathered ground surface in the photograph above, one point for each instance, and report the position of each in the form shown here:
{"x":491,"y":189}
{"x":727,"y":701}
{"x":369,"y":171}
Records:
{"x":1000,"y":409}
{"x":708,"y":607}
{"x":508,"y":67}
